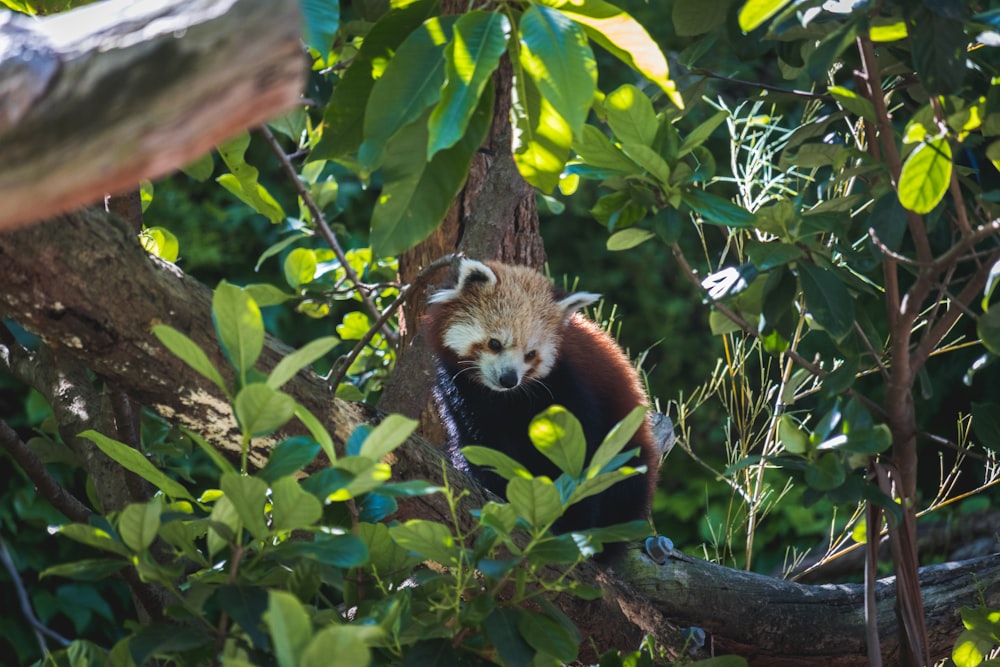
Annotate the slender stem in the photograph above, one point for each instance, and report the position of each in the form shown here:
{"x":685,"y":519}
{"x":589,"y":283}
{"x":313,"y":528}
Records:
{"x":41,"y":632}
{"x":321,"y":224}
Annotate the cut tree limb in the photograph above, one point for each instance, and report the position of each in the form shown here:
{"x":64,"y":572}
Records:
{"x":96,"y":99}
{"x":84,"y":285}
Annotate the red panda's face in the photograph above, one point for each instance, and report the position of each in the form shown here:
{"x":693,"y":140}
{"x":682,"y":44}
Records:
{"x":504,"y":323}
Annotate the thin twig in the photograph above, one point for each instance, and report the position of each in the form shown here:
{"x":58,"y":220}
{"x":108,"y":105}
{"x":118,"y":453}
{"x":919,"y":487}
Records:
{"x":41,"y":632}
{"x":340,"y":367}
{"x":322,"y":225}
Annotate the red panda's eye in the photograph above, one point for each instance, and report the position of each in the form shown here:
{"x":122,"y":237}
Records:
{"x":530,"y":355}
{"x":495,"y":345}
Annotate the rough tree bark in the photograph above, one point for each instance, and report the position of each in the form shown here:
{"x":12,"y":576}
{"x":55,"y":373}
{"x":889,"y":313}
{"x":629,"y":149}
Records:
{"x":94,"y":100}
{"x":84,"y":285}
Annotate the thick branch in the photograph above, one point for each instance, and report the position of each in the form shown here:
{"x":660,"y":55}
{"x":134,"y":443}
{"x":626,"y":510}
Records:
{"x":94,"y":100}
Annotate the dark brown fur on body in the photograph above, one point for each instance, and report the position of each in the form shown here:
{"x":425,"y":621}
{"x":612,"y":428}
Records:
{"x":508,"y":346}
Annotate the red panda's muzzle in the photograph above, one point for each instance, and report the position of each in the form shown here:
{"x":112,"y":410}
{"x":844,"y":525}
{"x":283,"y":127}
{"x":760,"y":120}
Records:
{"x":508,"y":378}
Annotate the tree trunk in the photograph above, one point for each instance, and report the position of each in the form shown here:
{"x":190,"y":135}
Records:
{"x":83,"y":284}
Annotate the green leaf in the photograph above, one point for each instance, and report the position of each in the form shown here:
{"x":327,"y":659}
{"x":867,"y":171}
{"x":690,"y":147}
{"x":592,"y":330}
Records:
{"x":537,"y":500}
{"x":554,"y":52}
{"x":700,"y":134}
{"x":970,"y":649}
{"x":548,"y":636}
{"x":243,"y":181}
{"x":543,"y":137}
{"x":622,"y":36}
{"x":938,"y":43}
{"x":89,"y":569}
{"x":988,"y":330}
{"x":428,"y":539}
{"x":827,"y":300}
{"x":217,"y":458}
{"x":321,"y":18}
{"x":290,"y":627}
{"x":501,"y":628}
{"x":991,"y":282}
{"x":300,"y":267}
{"x":343,"y":119}
{"x":557,"y":434}
{"x":599,"y":483}
{"x":288,"y":457}
{"x":387,"y":436}
{"x":317,"y":430}
{"x":292,"y":363}
{"x":717,"y":210}
{"x":986,"y":424}
{"x":410,"y":84}
{"x":161,"y":242}
{"x":95,"y":537}
{"x":596,"y":150}
{"x":853,"y":102}
{"x":495,"y":460}
{"x":631,"y":116}
{"x":248,"y":496}
{"x":345,"y":644}
{"x":755,"y":12}
{"x":628,"y":238}
{"x":697,"y":18}
{"x":770,"y":255}
{"x":480,"y":38}
{"x":266,"y":294}
{"x":293,"y":508}
{"x":649,"y":160}
{"x":926,"y":176}
{"x":201,"y":168}
{"x":239,"y":325}
{"x":134,"y":461}
{"x":826,"y":473}
{"x":190,"y":353}
{"x":224,"y":524}
{"x":791,"y":436}
{"x":417,"y":193}
{"x":341,"y":551}
{"x":874,"y":440}
{"x":261,"y":409}
{"x":617,"y":439}
{"x":138,"y":524}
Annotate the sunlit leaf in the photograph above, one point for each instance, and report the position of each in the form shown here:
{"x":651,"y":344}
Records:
{"x":189,"y":352}
{"x":631,"y":116}
{"x":926,"y":176}
{"x":537,"y":500}
{"x":239,"y":324}
{"x":134,"y":461}
{"x":292,"y":363}
{"x":243,"y":181}
{"x":557,"y":434}
{"x":755,"y":12}
{"x":248,"y":496}
{"x":261,"y":409}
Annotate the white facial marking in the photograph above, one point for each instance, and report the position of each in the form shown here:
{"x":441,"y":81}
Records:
{"x":462,"y":336}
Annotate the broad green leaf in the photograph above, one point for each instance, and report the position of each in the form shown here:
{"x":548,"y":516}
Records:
{"x":138,"y":524}
{"x":386,"y":555}
{"x":239,"y":325}
{"x":986,"y":424}
{"x":411,"y":83}
{"x":243,"y":181}
{"x":828,"y":301}
{"x":248,"y":496}
{"x":217,"y":458}
{"x":343,"y":644}
{"x":873,"y":440}
{"x":617,"y":439}
{"x":320,"y":18}
{"x":628,"y":238}
{"x":428,"y":539}
{"x":343,"y":120}
{"x":95,"y":537}
{"x":770,"y":255}
{"x":853,"y":102}
{"x":293,"y":508}
{"x":826,"y":472}
{"x":596,"y":150}
{"x":791,"y":436}
{"x":970,"y":649}
{"x":631,"y":116}
{"x":317,"y":430}
{"x":341,"y":551}
{"x":649,"y":160}
{"x":288,"y":457}
{"x":548,"y":636}
{"x":700,"y":134}
{"x":291,"y":364}
{"x":161,"y":242}
{"x":201,"y":168}
{"x":134,"y":461}
{"x":501,"y":628}
{"x":225,"y":524}
{"x":717,"y":210}
{"x":755,"y":12}
{"x":289,"y":625}
{"x":261,"y":409}
{"x":495,"y":460}
{"x":537,"y":500}
{"x":543,"y":137}
{"x":622,"y":36}
{"x":926,"y":176}
{"x":387,"y":436}
{"x":938,"y":44}
{"x":266,"y":294}
{"x":190,"y":353}
{"x":300,"y":267}
{"x":605,"y":480}
{"x":697,"y":18}
{"x":554,"y":52}
{"x":417,"y":193}
{"x":480,"y":38}
{"x":275,"y":249}
{"x":888,"y":30}
{"x":89,"y":569}
{"x":557,"y":434}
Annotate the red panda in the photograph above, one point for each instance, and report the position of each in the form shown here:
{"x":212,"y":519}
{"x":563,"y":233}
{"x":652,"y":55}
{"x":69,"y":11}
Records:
{"x":508,"y":345}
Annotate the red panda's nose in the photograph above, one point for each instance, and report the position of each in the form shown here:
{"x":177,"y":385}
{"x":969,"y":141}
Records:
{"x":508,"y":379}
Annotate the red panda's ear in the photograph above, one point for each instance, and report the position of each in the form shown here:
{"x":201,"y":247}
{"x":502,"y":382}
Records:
{"x":471,"y":275}
{"x":574,"y":302}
